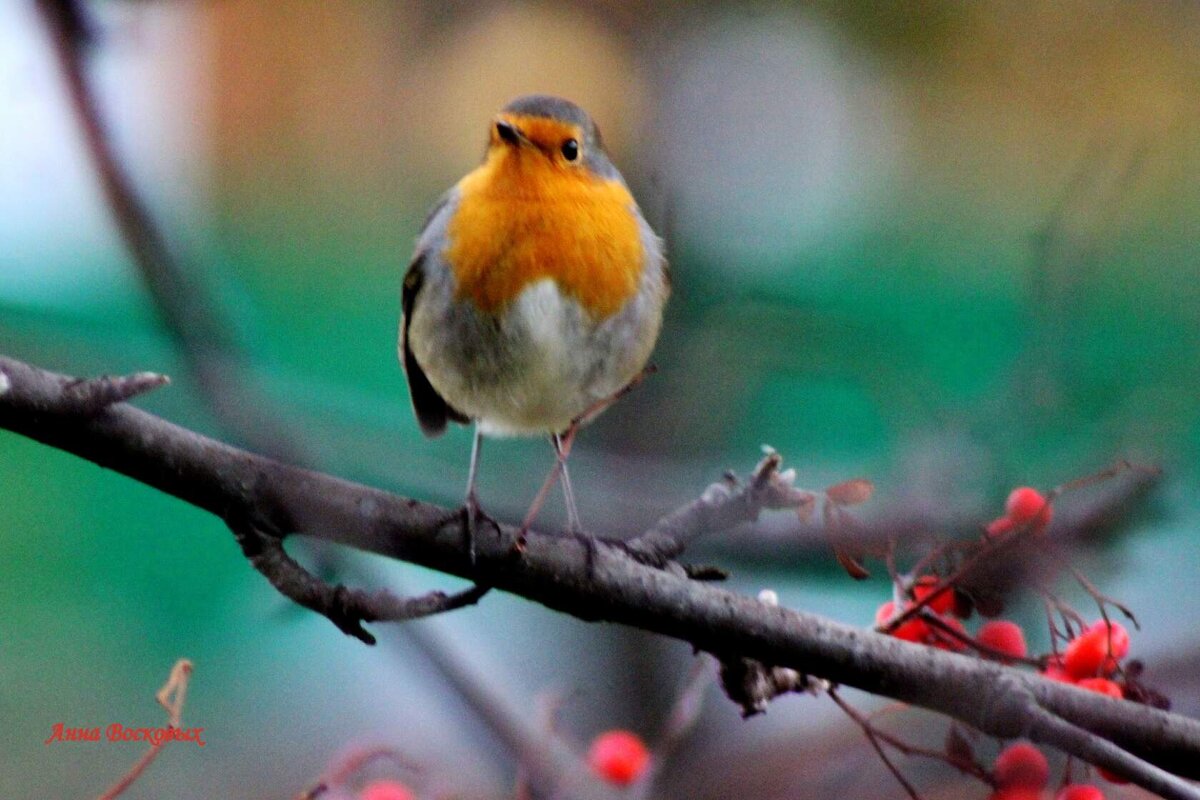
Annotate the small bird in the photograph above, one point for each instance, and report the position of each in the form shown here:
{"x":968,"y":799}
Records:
{"x":536,"y":291}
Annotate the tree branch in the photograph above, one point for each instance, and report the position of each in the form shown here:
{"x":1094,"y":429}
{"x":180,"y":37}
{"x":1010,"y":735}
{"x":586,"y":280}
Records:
{"x":604,"y":584}
{"x":345,"y":607}
{"x":722,"y":506}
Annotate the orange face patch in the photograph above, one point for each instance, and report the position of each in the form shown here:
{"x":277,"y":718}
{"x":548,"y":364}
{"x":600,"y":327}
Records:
{"x":523,"y":216}
{"x":547,"y":135}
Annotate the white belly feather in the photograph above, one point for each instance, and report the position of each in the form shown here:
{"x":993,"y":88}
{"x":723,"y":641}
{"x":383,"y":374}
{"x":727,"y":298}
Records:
{"x":544,"y":363}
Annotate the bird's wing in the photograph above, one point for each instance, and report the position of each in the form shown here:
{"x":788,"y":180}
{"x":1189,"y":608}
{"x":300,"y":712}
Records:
{"x":430,"y":407}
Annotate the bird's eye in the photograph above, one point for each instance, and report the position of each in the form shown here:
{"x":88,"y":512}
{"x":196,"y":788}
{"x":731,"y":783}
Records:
{"x":570,"y":149}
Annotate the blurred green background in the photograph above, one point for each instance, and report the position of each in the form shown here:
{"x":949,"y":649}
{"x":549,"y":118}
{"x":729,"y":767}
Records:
{"x":948,"y":246}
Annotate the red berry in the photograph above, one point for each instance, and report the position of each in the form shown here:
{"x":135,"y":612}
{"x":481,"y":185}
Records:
{"x":914,"y":630}
{"x":386,"y":790}
{"x":1088,"y":653}
{"x":618,"y":757}
{"x":1118,"y":639}
{"x":1080,"y":791}
{"x":1004,"y":636}
{"x":998,"y":526}
{"x":1026,"y":505}
{"x":1102,"y":686}
{"x":884,"y":614}
{"x":923,"y":587}
{"x":1021,"y":765}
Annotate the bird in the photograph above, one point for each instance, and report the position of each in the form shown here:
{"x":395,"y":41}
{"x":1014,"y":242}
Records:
{"x":535,"y":293}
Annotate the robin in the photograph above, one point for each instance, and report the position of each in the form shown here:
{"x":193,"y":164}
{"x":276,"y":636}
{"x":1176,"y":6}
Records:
{"x":536,"y":291}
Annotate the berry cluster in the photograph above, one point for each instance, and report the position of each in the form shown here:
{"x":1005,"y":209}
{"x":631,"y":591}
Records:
{"x":1021,"y":772}
{"x":1092,"y":658}
{"x":1090,"y":661}
{"x":998,"y":639}
{"x":940,"y":625}
{"x":1026,"y":509}
{"x":930,"y":609}
{"x":938,"y":630}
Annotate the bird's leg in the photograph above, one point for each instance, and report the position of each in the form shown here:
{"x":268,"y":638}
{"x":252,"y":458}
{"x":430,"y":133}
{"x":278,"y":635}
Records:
{"x":562,"y":448}
{"x":539,"y":500}
{"x":471,"y":505}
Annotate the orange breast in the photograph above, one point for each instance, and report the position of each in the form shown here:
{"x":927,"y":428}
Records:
{"x":521,"y":219}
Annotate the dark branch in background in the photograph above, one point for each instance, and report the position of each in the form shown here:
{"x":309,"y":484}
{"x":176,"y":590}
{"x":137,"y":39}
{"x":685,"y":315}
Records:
{"x":603,"y":583}
{"x":547,"y":761}
{"x":1080,"y":519}
{"x":203,"y":337}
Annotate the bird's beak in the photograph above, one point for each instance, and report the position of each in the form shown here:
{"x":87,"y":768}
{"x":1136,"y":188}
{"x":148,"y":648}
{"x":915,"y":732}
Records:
{"x":509,"y":133}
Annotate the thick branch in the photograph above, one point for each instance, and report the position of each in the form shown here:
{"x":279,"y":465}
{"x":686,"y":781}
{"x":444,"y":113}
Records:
{"x":606,"y":584}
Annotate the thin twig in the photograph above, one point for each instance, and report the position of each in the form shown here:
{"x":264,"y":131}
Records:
{"x":545,"y":762}
{"x":689,"y":702}
{"x":93,"y":395}
{"x":879,"y":736}
{"x":721,"y":506}
{"x":873,"y":738}
{"x":171,"y":697}
{"x":1103,"y":600}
